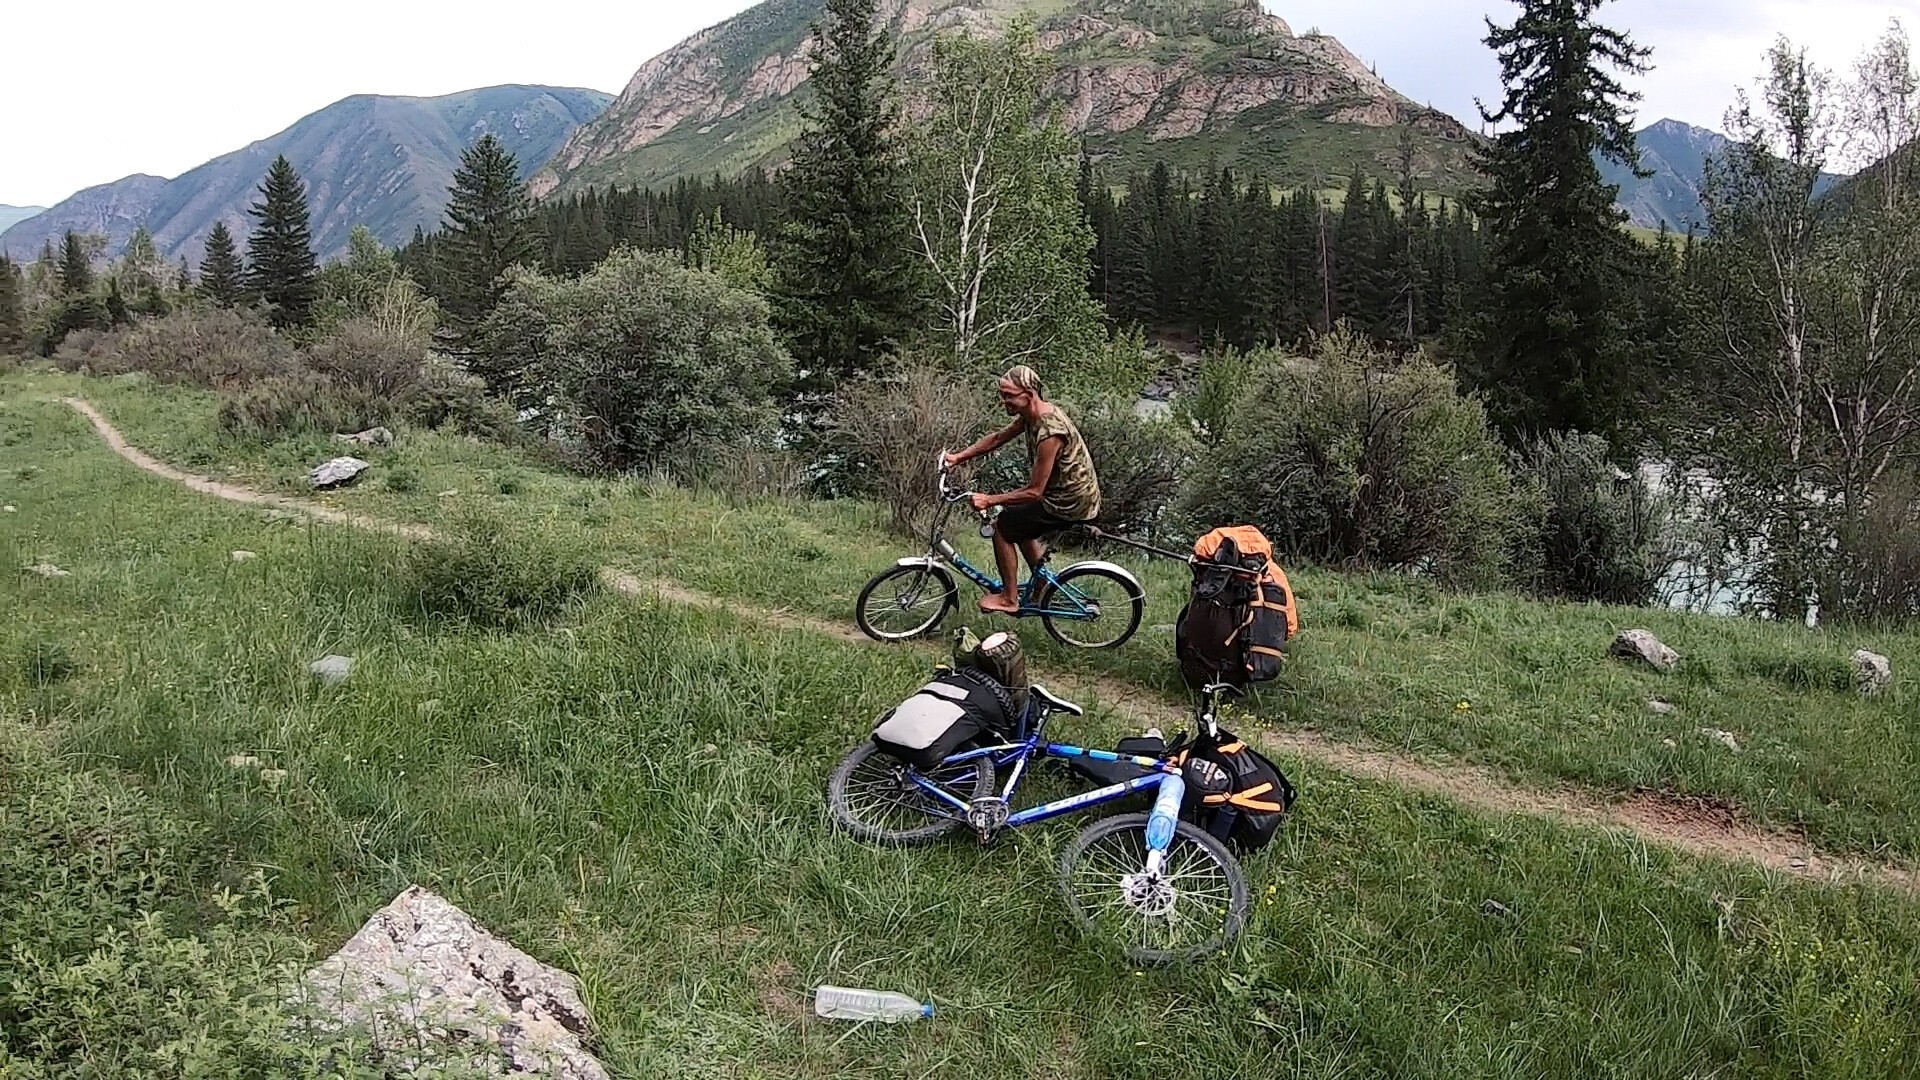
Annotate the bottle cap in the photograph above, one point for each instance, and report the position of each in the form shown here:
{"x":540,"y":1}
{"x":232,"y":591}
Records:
{"x":927,"y":1009}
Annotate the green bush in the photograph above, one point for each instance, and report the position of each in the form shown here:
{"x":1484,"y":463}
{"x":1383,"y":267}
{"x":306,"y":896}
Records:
{"x":113,"y":962}
{"x":43,"y":663}
{"x":302,"y":403}
{"x":448,"y":398}
{"x":1207,"y":405}
{"x":371,"y":359}
{"x":635,"y":358}
{"x":1140,"y":461}
{"x":496,"y":575}
{"x":1350,"y":458}
{"x":215,"y":347}
{"x":883,"y":432}
{"x":1602,"y":536}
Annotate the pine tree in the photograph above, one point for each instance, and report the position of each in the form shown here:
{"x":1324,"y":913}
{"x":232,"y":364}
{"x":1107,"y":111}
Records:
{"x":183,"y":277}
{"x":1555,"y":349}
{"x":13,"y":308}
{"x":220,"y":270}
{"x":490,"y":228}
{"x":281,"y":267}
{"x":843,"y":276}
{"x":76,"y":269}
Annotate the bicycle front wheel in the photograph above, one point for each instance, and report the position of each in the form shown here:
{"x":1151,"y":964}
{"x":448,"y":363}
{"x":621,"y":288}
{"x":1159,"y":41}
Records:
{"x":1197,"y":904}
{"x":1093,"y":608}
{"x":904,"y":603}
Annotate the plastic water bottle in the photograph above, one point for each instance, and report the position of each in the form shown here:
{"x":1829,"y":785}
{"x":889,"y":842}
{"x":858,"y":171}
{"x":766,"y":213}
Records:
{"x":842,"y":1003}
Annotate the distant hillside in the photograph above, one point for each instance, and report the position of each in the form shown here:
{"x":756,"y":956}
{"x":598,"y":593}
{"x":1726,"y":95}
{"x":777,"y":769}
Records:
{"x":1676,"y":153}
{"x":1196,"y":82}
{"x":383,"y":162}
{"x":12,"y":215}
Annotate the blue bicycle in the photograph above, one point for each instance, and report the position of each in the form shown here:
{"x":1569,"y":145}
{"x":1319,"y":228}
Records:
{"x":1159,"y":883}
{"x":1092,"y":605}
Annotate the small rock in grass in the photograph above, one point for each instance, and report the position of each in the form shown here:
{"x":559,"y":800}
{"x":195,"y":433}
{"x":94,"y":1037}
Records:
{"x":10,"y":509}
{"x":47,"y":570}
{"x":1641,"y":645}
{"x":1496,"y":909}
{"x":332,"y":669}
{"x":1871,"y":672}
{"x":373,"y":436}
{"x":448,"y":494}
{"x":1661,"y":706}
{"x":1669,"y":744}
{"x":243,"y":761}
{"x":1724,"y":738}
{"x":272,"y":778}
{"x":341,"y":470}
{"x":243,"y":556}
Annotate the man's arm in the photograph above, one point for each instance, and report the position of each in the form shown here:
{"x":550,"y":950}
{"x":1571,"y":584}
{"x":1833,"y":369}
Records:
{"x":1044,"y":456}
{"x":989,"y":444}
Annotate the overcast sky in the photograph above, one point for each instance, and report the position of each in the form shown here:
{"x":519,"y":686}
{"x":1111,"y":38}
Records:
{"x":101,"y":90}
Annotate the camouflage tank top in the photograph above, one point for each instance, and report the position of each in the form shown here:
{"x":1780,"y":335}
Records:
{"x":1073,"y":491}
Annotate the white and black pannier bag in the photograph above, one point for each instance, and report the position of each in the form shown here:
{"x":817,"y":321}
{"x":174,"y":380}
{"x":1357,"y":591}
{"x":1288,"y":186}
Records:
{"x":945,"y":715}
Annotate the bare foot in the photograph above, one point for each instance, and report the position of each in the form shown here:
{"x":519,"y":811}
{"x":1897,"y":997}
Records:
{"x":997,"y":604}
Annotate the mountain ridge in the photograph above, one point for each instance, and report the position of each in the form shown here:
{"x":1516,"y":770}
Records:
{"x":384,"y":161}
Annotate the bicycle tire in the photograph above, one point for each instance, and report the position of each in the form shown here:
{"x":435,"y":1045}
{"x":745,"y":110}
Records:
{"x":849,"y":819}
{"x":1136,"y":608}
{"x":939,"y":577}
{"x":1239,"y":895}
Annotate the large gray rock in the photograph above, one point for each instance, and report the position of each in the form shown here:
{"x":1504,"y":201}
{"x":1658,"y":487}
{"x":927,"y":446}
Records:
{"x":341,"y":470}
{"x":422,"y":971}
{"x":1872,"y":672}
{"x":1641,"y":645}
{"x":332,"y":669}
{"x":374,"y":436}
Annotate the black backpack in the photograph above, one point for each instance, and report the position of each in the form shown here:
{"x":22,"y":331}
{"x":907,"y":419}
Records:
{"x":946,"y":714}
{"x":1240,"y":615}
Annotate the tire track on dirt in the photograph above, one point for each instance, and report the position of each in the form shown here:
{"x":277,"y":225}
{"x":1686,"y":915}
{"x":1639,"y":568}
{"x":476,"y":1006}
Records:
{"x":1650,"y":818}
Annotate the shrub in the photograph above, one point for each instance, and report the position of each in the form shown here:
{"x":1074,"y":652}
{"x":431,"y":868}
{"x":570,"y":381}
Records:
{"x":1208,"y":404}
{"x":887,"y":429}
{"x":450,"y":398}
{"x":302,"y":403}
{"x":494,"y":575}
{"x":740,"y":470}
{"x":1140,"y":462}
{"x":636,"y":357}
{"x":402,"y":479}
{"x":1350,"y":458}
{"x":220,"y":348}
{"x":1874,"y":568}
{"x":374,"y":360}
{"x":1602,"y":535}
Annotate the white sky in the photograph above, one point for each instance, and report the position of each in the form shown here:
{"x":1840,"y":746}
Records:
{"x":120,"y":87}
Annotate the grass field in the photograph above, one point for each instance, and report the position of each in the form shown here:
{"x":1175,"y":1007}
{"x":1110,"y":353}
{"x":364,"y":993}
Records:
{"x":1384,"y":660}
{"x":634,"y":793}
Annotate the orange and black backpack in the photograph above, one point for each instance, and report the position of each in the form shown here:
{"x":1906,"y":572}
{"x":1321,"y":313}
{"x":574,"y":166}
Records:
{"x":1236,"y":624}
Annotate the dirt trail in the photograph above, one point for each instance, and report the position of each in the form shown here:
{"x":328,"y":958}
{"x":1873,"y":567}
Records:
{"x":1700,"y":829}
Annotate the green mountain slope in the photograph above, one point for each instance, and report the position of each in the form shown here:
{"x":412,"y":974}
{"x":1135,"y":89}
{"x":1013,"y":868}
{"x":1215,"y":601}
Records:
{"x":383,"y":162}
{"x":1191,"y":81}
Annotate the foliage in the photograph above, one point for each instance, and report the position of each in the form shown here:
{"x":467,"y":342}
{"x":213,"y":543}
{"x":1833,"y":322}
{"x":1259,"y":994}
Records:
{"x":13,"y":309}
{"x":637,"y":357}
{"x":1348,"y":458}
{"x":371,"y":358}
{"x":115,"y":966}
{"x":281,"y":268}
{"x":1604,"y":535}
{"x":1141,"y":463}
{"x":994,"y":212}
{"x":43,"y":662}
{"x":489,"y":229}
{"x":369,"y":285}
{"x":887,"y":428}
{"x":843,"y":282}
{"x":1555,"y":349}
{"x":449,"y":397}
{"x":1207,"y":406}
{"x":1873,"y":576}
{"x":299,"y":403}
{"x":222,"y":276}
{"x":214,"y":347}
{"x":494,"y":574}
{"x":734,"y":254}
{"x":1804,"y":392}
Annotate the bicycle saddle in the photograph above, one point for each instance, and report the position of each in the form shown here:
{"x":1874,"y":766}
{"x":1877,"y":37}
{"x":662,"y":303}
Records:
{"x":1056,"y":703}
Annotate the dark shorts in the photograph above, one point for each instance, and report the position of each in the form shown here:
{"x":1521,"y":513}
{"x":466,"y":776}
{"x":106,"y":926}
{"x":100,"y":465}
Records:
{"x":1032,"y":521}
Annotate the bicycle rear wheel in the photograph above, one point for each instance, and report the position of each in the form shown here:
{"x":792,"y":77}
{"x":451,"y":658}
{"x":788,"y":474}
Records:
{"x":1197,"y":905}
{"x":1115,"y":604}
{"x":871,"y":796}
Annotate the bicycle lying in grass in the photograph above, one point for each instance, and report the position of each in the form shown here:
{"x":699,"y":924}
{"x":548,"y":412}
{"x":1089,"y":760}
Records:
{"x":1092,"y":605}
{"x":1159,"y":883}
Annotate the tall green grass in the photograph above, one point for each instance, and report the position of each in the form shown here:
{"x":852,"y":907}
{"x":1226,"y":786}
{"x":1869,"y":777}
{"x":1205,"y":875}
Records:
{"x":633,"y":791}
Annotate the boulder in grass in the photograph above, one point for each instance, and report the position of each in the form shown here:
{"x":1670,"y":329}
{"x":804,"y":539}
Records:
{"x":341,"y":470}
{"x":1872,"y":673}
{"x":423,"y":972}
{"x":1642,"y":646}
{"x":373,"y":436}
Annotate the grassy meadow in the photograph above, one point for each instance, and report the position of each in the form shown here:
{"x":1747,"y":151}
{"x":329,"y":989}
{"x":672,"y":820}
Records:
{"x":633,"y":790}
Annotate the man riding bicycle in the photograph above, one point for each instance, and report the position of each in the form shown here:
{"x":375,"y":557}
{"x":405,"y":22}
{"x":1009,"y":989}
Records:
{"x":1062,"y":490}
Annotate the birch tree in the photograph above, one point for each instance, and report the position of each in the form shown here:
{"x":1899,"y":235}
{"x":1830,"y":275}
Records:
{"x":991,"y":199}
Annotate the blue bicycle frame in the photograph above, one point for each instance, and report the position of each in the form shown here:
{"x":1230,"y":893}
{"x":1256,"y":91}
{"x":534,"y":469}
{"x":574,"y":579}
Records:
{"x":1042,"y":576}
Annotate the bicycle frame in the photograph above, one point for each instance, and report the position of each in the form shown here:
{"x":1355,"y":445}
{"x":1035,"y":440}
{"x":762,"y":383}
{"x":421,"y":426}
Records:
{"x":939,"y":549}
